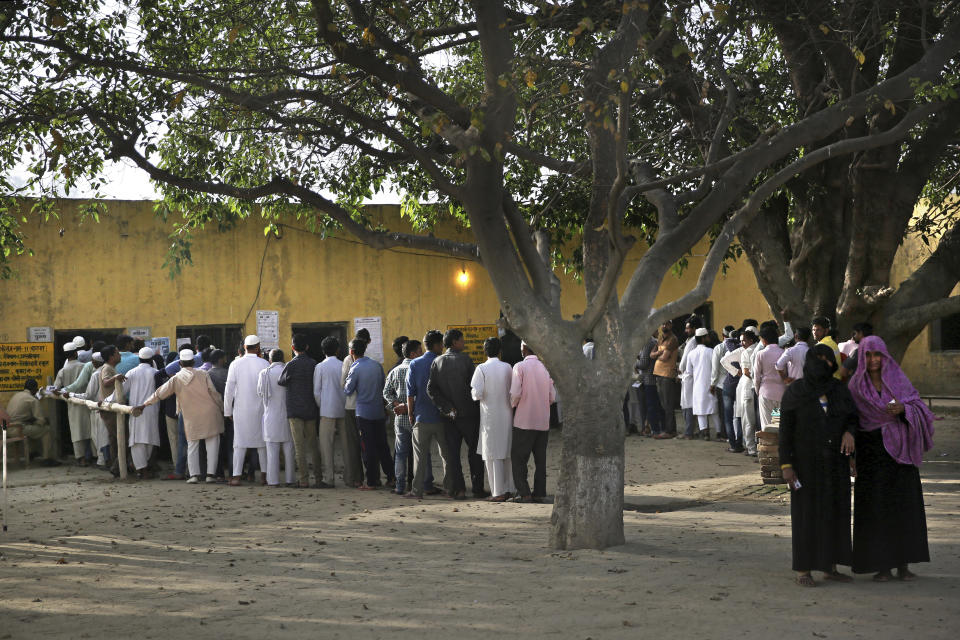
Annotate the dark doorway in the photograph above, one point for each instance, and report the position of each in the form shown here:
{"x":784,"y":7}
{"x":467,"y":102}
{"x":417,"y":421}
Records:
{"x":227,"y":337}
{"x":705,"y":311}
{"x":315,"y":332}
{"x":60,"y":338}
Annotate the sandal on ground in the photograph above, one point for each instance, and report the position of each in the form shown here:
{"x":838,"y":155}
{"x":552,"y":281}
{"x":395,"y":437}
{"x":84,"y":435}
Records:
{"x":836,"y":576}
{"x":805,"y":580}
{"x":882,"y":576}
{"x":906,"y":575}
{"x":234,"y":482}
{"x":502,"y":498}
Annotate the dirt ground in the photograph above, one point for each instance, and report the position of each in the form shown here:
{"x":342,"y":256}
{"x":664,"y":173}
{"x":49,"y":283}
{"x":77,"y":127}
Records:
{"x":707,"y":556}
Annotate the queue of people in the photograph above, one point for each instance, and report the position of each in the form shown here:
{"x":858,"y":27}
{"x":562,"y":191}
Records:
{"x":225,"y":422}
{"x":842,"y":411}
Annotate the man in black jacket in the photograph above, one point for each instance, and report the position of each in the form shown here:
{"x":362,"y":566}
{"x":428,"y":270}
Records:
{"x":297,"y":378}
{"x":449,"y":388}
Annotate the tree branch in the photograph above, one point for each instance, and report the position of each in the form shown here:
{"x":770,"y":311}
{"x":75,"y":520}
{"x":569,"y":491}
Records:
{"x":283,"y":186}
{"x":916,"y":317}
{"x":579,"y":169}
{"x":408,"y":81}
{"x":715,"y":256}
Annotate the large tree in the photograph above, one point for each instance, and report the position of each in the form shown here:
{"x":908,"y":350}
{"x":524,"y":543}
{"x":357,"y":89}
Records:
{"x":828,"y":246}
{"x":514,"y":115}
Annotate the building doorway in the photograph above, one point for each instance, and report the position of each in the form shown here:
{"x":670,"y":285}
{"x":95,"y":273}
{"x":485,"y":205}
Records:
{"x":227,"y":337}
{"x":705,"y":311}
{"x":315,"y":332}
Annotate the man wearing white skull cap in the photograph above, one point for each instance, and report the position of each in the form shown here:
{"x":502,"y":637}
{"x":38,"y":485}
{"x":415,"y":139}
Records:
{"x":145,"y":428}
{"x":201,"y":406}
{"x":699,"y":366}
{"x":84,"y":355}
{"x":77,"y":415}
{"x":242,"y":403}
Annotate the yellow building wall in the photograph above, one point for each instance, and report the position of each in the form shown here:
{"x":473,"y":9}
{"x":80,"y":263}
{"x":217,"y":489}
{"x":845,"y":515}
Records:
{"x":935,"y":372}
{"x":110,"y":274}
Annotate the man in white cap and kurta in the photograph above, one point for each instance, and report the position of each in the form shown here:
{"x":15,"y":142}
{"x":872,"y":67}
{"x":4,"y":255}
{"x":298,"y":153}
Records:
{"x":144,"y":429}
{"x":201,"y":406}
{"x":242,"y":403}
{"x":77,"y":415}
{"x":698,"y":365}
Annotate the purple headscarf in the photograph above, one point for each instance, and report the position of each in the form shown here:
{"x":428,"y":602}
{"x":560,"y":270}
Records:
{"x":904,"y":441}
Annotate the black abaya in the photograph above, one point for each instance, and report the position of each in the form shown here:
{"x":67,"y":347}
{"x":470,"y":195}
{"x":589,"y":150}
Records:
{"x":890,"y":525}
{"x":810,"y":441}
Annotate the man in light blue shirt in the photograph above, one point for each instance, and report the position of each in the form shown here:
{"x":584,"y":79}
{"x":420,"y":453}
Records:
{"x":366,"y":379}
{"x":128,"y":359}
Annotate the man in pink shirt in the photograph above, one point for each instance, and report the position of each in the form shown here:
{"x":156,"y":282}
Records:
{"x":770,"y":385}
{"x":531,"y":392}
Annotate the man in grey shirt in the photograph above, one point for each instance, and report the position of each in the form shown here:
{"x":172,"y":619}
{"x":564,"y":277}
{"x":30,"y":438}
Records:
{"x":449,"y":388}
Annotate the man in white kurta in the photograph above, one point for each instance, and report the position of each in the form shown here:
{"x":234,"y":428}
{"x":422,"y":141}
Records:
{"x":699,"y":366}
{"x":145,"y":428}
{"x":242,"y":403}
{"x":490,"y":386}
{"x":77,"y":415}
{"x":276,"y":428}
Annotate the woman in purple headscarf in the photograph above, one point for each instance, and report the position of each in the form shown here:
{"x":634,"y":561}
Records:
{"x":896,"y":428}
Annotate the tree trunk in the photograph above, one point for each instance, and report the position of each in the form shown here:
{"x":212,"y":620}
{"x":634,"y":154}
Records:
{"x":588,"y":511}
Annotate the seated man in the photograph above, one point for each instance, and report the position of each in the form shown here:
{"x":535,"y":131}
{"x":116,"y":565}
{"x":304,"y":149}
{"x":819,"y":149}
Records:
{"x":24,"y":410}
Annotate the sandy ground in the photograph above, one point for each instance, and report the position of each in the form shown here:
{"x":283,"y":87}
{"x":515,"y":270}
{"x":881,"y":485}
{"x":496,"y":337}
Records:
{"x":707,"y":556}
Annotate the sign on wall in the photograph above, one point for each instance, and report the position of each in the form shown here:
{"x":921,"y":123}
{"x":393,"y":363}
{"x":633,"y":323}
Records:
{"x":473,"y":337}
{"x":373,"y":324}
{"x":141,"y":333}
{"x":159,"y":345}
{"x":39,"y":334}
{"x":22,"y":360}
{"x":268,"y":329}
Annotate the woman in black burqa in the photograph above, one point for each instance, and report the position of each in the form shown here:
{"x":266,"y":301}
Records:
{"x":817,"y":423}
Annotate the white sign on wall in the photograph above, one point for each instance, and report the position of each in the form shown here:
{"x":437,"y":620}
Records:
{"x":39,"y":334}
{"x":139,"y":333}
{"x":374,"y":325}
{"x":268,"y":329}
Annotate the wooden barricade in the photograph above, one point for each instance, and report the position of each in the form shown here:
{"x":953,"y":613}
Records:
{"x":122,"y":412}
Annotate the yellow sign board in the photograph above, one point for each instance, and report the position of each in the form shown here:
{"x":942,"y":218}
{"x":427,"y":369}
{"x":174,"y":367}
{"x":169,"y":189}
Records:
{"x":473,"y":336}
{"x":22,"y":360}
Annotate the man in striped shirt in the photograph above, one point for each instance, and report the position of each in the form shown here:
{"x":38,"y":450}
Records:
{"x":395,"y":393}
